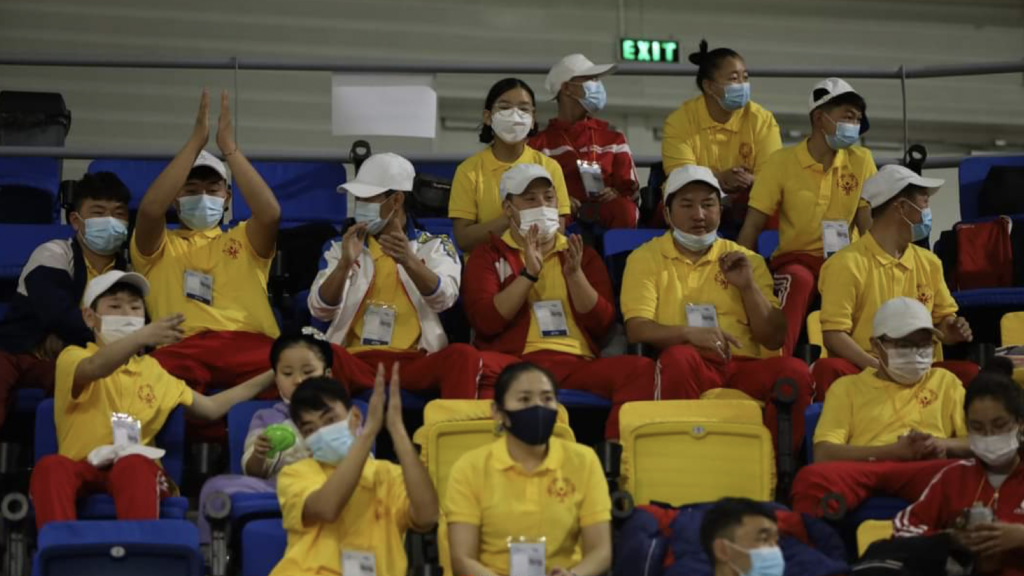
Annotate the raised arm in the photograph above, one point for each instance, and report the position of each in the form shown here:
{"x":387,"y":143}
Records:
{"x":216,"y":406}
{"x":423,"y":507}
{"x":112,"y":356}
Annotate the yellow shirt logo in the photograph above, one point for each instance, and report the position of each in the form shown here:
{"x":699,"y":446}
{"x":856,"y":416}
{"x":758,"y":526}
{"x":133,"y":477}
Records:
{"x":721,"y":281}
{"x":747,"y":154}
{"x":848,"y":183}
{"x":147,"y":394}
{"x":926,"y":297}
{"x":232,"y":249}
{"x":926,"y":398}
{"x":561,"y":489}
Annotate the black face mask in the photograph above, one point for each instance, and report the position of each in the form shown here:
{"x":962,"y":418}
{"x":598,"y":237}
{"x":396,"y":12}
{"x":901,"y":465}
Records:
{"x":532,"y":425}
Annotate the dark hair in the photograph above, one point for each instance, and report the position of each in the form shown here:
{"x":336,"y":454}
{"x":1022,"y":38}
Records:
{"x":100,"y":186}
{"x":117,"y":288}
{"x":499,"y":88}
{"x":205,"y":174}
{"x":722,"y":518}
{"x":312,"y":396}
{"x":322,"y":348}
{"x":847,"y":98}
{"x":996,"y":382}
{"x":908,"y":193}
{"x":511,"y":373}
{"x":707,"y":63}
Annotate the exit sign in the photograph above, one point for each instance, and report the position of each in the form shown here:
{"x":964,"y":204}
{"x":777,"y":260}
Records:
{"x":643,"y":50}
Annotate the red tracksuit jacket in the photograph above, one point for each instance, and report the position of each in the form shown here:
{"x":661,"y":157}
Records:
{"x":956,"y":488}
{"x":590,"y":140}
{"x":493,"y":266}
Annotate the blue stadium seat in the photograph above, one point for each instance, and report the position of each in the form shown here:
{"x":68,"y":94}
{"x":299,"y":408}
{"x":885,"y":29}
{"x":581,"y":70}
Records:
{"x":39,"y":173}
{"x":581,"y":399}
{"x":119,"y":548}
{"x":137,"y":175}
{"x":101,"y":506}
{"x":20,"y":240}
{"x":972,"y":174}
{"x":618,"y":244}
{"x":767,"y":242}
{"x":990,"y":297}
{"x":263,"y":546}
{"x":307,"y":191}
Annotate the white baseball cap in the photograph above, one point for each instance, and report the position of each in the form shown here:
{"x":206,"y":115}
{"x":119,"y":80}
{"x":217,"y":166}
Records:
{"x":830,"y":88}
{"x":572,"y":66}
{"x":690,"y":173}
{"x":103,"y":282}
{"x":515,"y":180}
{"x":891,"y":180}
{"x":901,"y":317}
{"x":210,"y":161}
{"x":380,"y":173}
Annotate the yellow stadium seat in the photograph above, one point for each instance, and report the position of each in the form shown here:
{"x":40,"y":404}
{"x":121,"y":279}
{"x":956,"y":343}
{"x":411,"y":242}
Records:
{"x":688,"y":451}
{"x":814,"y":336}
{"x":1011,"y":329}
{"x":450,"y":429}
{"x":871,"y":531}
{"x":729,"y":394}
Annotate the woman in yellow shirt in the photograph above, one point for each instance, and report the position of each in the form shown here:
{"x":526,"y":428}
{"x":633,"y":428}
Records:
{"x":508,"y":120}
{"x":527,"y":503}
{"x":722,"y":129}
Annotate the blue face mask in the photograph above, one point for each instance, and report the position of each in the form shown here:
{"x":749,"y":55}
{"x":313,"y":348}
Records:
{"x":846,"y":135}
{"x":104,"y":235}
{"x":735,"y":97}
{"x":764,"y":561}
{"x":331,"y":443}
{"x":922,"y":229}
{"x":594,"y":96}
{"x":369,"y":213}
{"x":201,"y":211}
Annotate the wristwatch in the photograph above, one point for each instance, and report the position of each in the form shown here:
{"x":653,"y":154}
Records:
{"x":526,"y":274}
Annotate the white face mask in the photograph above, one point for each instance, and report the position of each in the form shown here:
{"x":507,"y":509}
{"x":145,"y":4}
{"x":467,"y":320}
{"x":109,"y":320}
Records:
{"x":113,"y":328}
{"x":511,"y":125}
{"x":545,"y":218}
{"x":909,"y":365}
{"x":997,"y":449}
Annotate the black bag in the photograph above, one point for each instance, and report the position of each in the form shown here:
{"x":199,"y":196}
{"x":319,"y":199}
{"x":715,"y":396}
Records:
{"x":919,"y":556}
{"x":33,"y":119}
{"x":1002,"y":192}
{"x":429,"y":198}
{"x":298,"y":257}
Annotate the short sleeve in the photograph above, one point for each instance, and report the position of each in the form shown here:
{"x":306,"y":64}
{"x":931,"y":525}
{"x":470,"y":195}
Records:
{"x":639,"y":298}
{"x":561,"y":191}
{"x":763,"y":278}
{"x":596,"y":506}
{"x":835,"y":421}
{"x":943,"y":305}
{"x":676,"y":150}
{"x":239,"y":233}
{"x":294,"y":484}
{"x":769,"y":141}
{"x":957,"y":421}
{"x":463,"y":200}
{"x":182,"y":395}
{"x":144,"y":264}
{"x":839,"y":286}
{"x":766,"y":194}
{"x":462,"y":499}
{"x":64,"y":377}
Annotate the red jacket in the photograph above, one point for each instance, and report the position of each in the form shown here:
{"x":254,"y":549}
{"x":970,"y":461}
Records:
{"x":590,"y":140}
{"x":493,"y":266}
{"x":955,"y":489}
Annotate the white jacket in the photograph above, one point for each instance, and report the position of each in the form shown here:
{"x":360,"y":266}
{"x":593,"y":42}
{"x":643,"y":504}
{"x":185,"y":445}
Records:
{"x":437,"y":252}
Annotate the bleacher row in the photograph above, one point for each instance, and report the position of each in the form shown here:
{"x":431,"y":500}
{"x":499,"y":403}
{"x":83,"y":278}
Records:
{"x":658,"y":439}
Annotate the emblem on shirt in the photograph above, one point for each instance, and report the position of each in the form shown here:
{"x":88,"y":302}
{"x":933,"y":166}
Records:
{"x":747,"y":154}
{"x":926,"y":398}
{"x":147,"y":394}
{"x":848,"y":183}
{"x":233,"y":249}
{"x":721,"y":281}
{"x":561,"y":489}
{"x":925,"y":297}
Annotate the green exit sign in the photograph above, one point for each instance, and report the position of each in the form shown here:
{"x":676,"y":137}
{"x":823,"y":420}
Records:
{"x":644,"y":50}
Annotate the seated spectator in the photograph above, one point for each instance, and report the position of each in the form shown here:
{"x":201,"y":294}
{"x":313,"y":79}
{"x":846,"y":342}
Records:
{"x":706,"y":303}
{"x":383,"y":286}
{"x":475,"y":205}
{"x":45,"y":314}
{"x":978,"y":500}
{"x":342,"y":508}
{"x":595,"y":159}
{"x":882,"y":265}
{"x":722,"y":129}
{"x":815,"y":187}
{"x":741,"y":537}
{"x":110,"y":403}
{"x":887,"y":430}
{"x":293,"y":358}
{"x":535,"y":295}
{"x":216,"y":279}
{"x":528,"y":499}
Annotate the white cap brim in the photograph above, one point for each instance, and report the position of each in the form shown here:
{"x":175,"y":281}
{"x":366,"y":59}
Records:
{"x":103,"y":282}
{"x":361,"y":190}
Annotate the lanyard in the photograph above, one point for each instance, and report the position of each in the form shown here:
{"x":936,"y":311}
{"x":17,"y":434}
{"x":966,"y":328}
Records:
{"x":593,"y":145}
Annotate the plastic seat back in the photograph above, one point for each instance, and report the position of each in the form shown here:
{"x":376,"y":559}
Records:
{"x":306,"y":191}
{"x":239,"y":417}
{"x":972,"y":173}
{"x":1011,"y":329}
{"x":137,"y":175}
{"x":871,"y":531}
{"x":104,"y":547}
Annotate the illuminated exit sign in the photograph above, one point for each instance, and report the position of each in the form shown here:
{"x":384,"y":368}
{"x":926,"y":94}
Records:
{"x":643,"y":50}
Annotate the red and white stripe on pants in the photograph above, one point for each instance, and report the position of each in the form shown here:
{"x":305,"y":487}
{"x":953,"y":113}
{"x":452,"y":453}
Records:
{"x":796,"y":284}
{"x":136,"y":483}
{"x":828,"y":370}
{"x":454,"y":370}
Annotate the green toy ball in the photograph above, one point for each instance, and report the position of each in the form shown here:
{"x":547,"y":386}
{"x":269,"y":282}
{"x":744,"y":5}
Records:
{"x":281,"y":438}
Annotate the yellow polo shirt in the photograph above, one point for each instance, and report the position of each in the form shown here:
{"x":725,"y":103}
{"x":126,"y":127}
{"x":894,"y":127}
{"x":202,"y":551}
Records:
{"x":91,"y":272}
{"x":475,"y":187}
{"x":692,"y":136}
{"x":140,"y":388}
{"x":806,"y":194}
{"x":386,"y":289}
{"x":239,"y":281}
{"x":659,"y":282}
{"x":864,"y":410}
{"x":856,"y":281}
{"x":375,"y":520}
{"x":552,"y":286}
{"x":566,"y":493}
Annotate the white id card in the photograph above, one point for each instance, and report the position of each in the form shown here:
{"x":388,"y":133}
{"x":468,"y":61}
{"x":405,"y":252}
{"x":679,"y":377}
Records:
{"x":355,"y":563}
{"x":835,"y":235}
{"x":551,"y":318}
{"x":127,"y":430}
{"x":701,"y":316}
{"x":199,"y":286}
{"x":590,"y":173}
{"x":378,"y":325}
{"x":526,"y":559}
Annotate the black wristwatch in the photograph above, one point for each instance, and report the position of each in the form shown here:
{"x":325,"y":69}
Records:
{"x":526,"y":274}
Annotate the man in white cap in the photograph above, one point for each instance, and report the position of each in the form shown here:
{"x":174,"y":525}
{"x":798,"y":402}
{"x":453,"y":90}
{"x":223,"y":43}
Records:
{"x":383,"y":286}
{"x":534,"y":295}
{"x":815,"y":189}
{"x":110,"y":402}
{"x":706,"y":303}
{"x":217,"y":279}
{"x":889,"y":429}
{"x":595,"y":160}
{"x":885,"y":264}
